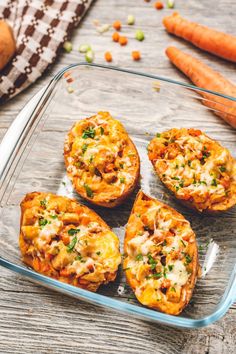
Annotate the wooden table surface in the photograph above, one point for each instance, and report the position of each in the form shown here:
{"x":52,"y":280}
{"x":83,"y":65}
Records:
{"x":34,"y":319}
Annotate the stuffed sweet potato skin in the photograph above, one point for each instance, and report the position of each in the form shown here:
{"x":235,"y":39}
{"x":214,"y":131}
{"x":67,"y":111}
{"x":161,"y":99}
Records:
{"x":196,"y":169}
{"x":161,"y":256}
{"x":67,"y":241}
{"x":101,"y":160}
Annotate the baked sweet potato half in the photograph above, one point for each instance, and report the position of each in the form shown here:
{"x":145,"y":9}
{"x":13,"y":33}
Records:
{"x":101,"y":160}
{"x":67,"y":241}
{"x":198,"y":170}
{"x":161,"y":255}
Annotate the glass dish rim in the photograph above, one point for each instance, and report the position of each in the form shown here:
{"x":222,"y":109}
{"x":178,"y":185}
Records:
{"x":229,"y":295}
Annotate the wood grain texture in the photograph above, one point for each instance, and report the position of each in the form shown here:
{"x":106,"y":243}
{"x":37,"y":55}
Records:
{"x":34,"y":319}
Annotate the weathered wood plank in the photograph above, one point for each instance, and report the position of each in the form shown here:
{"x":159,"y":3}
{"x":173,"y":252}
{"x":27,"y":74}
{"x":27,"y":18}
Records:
{"x":34,"y":319}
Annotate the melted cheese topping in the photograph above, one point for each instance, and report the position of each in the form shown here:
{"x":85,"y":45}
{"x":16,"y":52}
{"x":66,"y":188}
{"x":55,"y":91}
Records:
{"x":161,"y":252}
{"x":100,"y":158}
{"x":68,"y":240}
{"x":196,"y":168}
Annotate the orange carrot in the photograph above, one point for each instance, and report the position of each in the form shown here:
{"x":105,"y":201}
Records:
{"x":117,"y":25}
{"x":115,"y":37}
{"x":123,"y":40}
{"x":205,"y":77}
{"x":108,"y":57}
{"x":221,"y":44}
{"x":136,"y":55}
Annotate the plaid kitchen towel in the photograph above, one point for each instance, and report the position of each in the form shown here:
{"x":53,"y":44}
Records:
{"x":40,"y":28}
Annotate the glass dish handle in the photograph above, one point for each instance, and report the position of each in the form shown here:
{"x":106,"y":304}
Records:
{"x":16,"y":129}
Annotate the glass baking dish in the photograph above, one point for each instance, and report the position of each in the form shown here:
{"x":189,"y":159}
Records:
{"x":31,"y":159}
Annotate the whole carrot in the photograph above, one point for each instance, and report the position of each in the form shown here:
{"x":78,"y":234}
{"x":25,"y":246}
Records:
{"x":205,"y":77}
{"x":221,"y":44}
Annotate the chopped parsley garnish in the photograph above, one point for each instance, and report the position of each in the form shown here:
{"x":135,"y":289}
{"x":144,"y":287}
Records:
{"x":176,"y":178}
{"x":64,"y":183}
{"x":164,"y":243}
{"x":183,"y":165}
{"x":183,"y":243}
{"x":170,"y":267}
{"x":222,"y":168}
{"x":151,"y":261}
{"x":89,"y":191}
{"x":181,"y":184}
{"x":164,"y":273}
{"x":158,"y":135}
{"x":214,"y":183}
{"x":91,"y":159}
{"x":79,"y":258}
{"x":84,"y":147}
{"x":72,"y":244}
{"x":78,"y":164}
{"x":126,"y":268}
{"x":203,"y":182}
{"x":157,"y":275}
{"x":139,"y":257}
{"x":176,"y":167}
{"x":53,"y":216}
{"x":204,"y":148}
{"x":73,"y":232}
{"x":98,"y":253}
{"x":102,"y":130}
{"x":206,"y":154}
{"x":172,"y":289}
{"x":121,"y":165}
{"x":88,"y":133}
{"x":188,"y":259}
{"x":189,"y":163}
{"x":43,"y":222}
{"x":43,"y":203}
{"x":122,"y":180}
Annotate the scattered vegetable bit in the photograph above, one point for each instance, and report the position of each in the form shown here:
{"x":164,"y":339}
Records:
{"x":72,"y":244}
{"x":108,"y":57}
{"x":188,"y":259}
{"x":98,"y":253}
{"x":84,"y":48}
{"x":70,"y":89}
{"x":122,"y":180}
{"x":139,"y":35}
{"x":89,"y":191}
{"x":170,"y":4}
{"x":136,"y":55}
{"x":158,"y":5}
{"x":130,"y":20}
{"x":117,"y":25}
{"x":123,"y":40}
{"x":103,"y":28}
{"x":67,"y":46}
{"x":115,"y":37}
{"x":89,"y":56}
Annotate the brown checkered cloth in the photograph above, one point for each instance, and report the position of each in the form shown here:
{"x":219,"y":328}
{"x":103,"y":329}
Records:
{"x":40,"y":28}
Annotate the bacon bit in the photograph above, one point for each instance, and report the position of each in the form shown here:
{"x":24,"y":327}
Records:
{"x":194,"y":132}
{"x":123,"y":40}
{"x":108,"y":57}
{"x":225,"y":182}
{"x":115,"y":37}
{"x":64,"y":273}
{"x":69,"y":80}
{"x":117,"y":25}
{"x":65,"y":239}
{"x":136,"y":55}
{"x":158,"y":5}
